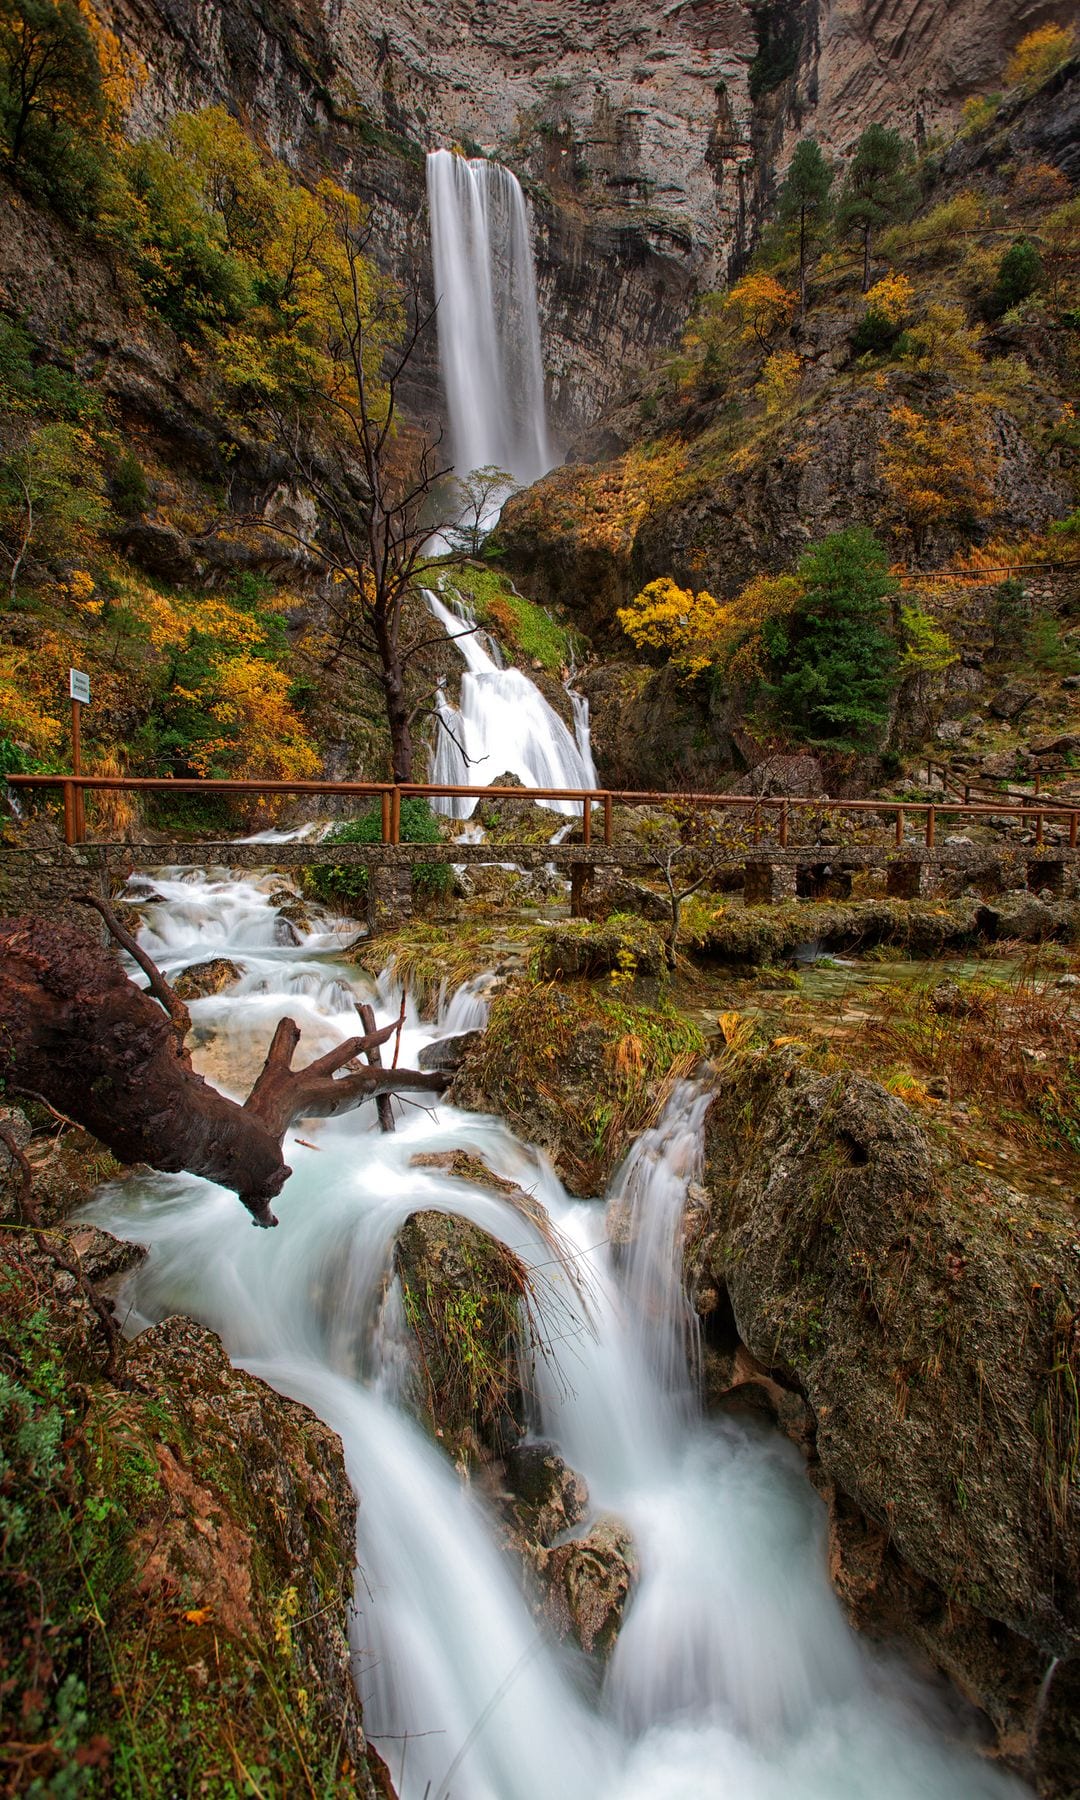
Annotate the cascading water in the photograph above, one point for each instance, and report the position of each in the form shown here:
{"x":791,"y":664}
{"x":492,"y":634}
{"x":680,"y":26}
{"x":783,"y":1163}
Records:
{"x":734,"y":1674}
{"x":489,"y":330}
{"x":503,"y":725}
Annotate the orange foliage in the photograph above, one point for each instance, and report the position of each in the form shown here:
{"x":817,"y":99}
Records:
{"x":700,"y":632}
{"x":763,"y":306}
{"x":942,"y":467}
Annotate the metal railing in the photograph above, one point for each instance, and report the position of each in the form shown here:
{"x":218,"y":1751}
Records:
{"x":391,"y":794}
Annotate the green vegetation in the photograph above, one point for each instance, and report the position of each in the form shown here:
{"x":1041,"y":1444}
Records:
{"x":803,"y":201}
{"x":878,"y":189}
{"x":346,"y":883}
{"x":834,"y":660}
{"x":526,"y":632}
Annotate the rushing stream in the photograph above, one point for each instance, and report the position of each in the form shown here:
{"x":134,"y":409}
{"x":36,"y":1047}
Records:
{"x":734,"y":1673}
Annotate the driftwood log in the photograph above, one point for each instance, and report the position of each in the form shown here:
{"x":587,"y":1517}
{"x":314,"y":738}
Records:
{"x":76,"y":1031}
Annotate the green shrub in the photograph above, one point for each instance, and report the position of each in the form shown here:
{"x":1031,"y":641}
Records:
{"x":349,"y":881}
{"x":875,"y":334}
{"x":1019,"y":274}
{"x":130,"y":492}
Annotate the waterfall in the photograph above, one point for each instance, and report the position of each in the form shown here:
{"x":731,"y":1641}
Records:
{"x":503,"y":725}
{"x":734,"y":1673}
{"x":489,"y":330}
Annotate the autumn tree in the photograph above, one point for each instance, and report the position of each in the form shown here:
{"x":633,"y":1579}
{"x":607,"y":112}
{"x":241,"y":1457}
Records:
{"x":803,"y":202}
{"x":940,"y":467}
{"x":888,"y":308}
{"x":763,"y":307}
{"x":943,"y":345}
{"x":878,"y":189}
{"x":700,"y":633}
{"x":52,"y":103}
{"x":51,"y":493}
{"x":834,"y":661}
{"x":475,"y":500}
{"x":372,"y":480}
{"x":779,"y":381}
{"x":1040,"y":55}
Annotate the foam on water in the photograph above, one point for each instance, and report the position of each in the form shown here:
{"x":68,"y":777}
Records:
{"x":734,"y":1674}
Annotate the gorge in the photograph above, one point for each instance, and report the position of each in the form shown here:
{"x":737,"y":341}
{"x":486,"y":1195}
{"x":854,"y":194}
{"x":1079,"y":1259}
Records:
{"x":672,"y":1393}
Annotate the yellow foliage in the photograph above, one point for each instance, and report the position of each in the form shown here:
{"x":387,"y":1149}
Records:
{"x":944,"y":345}
{"x":701,"y":632}
{"x":892,"y":299}
{"x":263,"y":736}
{"x":763,"y":307}
{"x":1040,"y":54}
{"x":780,"y":380}
{"x":1040,"y":184}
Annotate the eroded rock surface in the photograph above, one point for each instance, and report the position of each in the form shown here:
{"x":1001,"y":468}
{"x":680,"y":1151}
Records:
{"x":925,"y":1314}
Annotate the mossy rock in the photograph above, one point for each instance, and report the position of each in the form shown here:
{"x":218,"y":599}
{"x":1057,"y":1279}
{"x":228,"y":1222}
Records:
{"x":579,"y":1070}
{"x":623,"y":945}
{"x":180,"y":1554}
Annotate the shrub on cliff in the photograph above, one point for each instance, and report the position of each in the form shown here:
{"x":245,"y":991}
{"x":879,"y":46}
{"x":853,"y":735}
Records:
{"x":52,"y":104}
{"x":834,"y":661}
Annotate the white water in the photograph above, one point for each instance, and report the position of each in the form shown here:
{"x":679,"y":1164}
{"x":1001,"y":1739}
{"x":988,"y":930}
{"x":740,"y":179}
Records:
{"x":503,"y":725}
{"x":489,"y":330}
{"x":734,"y":1675}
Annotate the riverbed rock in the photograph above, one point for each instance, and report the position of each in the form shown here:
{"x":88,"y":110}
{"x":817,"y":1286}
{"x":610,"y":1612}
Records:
{"x":587,"y":1583}
{"x":463,"y":1292}
{"x":546,"y":1497}
{"x":201,"y":980}
{"x":216,"y":1525}
{"x":448,"y":1052}
{"x":925,"y":1313}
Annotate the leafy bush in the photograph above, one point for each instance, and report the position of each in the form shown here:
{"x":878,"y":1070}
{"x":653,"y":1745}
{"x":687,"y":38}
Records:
{"x":349,"y":881}
{"x":52,"y":104}
{"x":1040,"y":55}
{"x":1019,"y":274}
{"x":130,"y":493}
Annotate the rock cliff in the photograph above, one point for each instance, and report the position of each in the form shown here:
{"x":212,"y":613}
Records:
{"x":649,"y":139}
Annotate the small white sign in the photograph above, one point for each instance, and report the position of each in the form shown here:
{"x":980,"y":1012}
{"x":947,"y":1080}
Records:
{"x":80,"y":686}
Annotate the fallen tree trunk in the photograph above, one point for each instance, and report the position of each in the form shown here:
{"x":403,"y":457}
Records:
{"x":75,"y":1030}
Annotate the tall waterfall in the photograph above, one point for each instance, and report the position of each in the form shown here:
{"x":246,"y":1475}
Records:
{"x":489,"y":330}
{"x":734,"y":1676}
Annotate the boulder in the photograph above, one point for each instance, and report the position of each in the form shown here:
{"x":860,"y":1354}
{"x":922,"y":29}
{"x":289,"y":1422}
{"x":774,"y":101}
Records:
{"x":201,"y":980}
{"x":448,"y":1052}
{"x":546,"y":1498}
{"x":1011,"y":700}
{"x":925,"y":1313}
{"x":586,"y":1584}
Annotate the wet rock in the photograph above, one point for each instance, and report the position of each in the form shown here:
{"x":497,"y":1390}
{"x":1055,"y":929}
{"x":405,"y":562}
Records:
{"x":448,"y":1052}
{"x":917,"y":1306}
{"x":201,"y":980}
{"x":547,"y":1498}
{"x":463,"y":1292}
{"x":620,"y":944}
{"x":290,"y":905}
{"x":587,"y":1583}
{"x":616,"y":893}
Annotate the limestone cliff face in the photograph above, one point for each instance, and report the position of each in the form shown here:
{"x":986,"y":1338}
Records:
{"x":650,"y":137}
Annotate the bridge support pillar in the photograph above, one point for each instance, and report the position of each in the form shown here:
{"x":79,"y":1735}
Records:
{"x":389,"y":897}
{"x":581,"y":880}
{"x":904,"y":879}
{"x":766,"y":884}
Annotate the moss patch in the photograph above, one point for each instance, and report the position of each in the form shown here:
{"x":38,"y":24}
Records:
{"x":578,"y":1070}
{"x":525,"y":631}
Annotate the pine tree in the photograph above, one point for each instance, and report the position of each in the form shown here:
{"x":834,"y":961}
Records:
{"x":879,"y":188}
{"x":834,"y":660}
{"x":804,"y":199}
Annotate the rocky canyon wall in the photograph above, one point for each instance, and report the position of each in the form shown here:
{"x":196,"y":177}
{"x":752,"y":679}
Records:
{"x":649,"y":137}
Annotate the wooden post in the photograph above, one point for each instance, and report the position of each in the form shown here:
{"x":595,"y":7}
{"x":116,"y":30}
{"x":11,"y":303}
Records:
{"x":385,"y":798}
{"x":395,"y":816}
{"x":783,"y":824}
{"x":69,"y":812}
{"x":607,"y":818}
{"x":1038,"y":828}
{"x":1074,"y":818}
{"x":76,"y":769}
{"x":931,"y":824}
{"x":899,"y":824}
{"x":586,"y":822}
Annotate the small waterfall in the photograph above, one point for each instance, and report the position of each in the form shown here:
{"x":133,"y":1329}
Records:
{"x":503,"y":726}
{"x":489,"y":331}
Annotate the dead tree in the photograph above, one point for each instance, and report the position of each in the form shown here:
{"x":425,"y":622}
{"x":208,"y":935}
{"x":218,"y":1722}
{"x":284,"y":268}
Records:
{"x":76,"y":1031}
